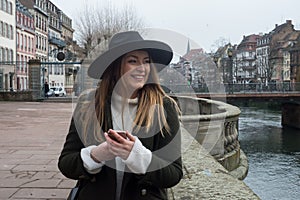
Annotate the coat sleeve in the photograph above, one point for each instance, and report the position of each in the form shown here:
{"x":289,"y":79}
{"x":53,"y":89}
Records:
{"x":165,"y":169}
{"x":70,"y":162}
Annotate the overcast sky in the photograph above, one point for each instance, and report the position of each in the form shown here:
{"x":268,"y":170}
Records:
{"x":204,"y":21}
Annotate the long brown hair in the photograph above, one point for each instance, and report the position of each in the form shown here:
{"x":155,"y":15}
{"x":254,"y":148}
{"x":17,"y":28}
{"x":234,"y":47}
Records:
{"x":151,"y":94}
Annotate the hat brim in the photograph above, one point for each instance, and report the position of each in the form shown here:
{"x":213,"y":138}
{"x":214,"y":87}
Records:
{"x":160,"y":52}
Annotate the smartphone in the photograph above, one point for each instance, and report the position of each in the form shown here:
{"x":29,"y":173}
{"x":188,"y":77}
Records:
{"x":121,"y":133}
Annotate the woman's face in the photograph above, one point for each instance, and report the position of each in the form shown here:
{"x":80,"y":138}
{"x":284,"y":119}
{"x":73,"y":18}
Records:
{"x":135,"y":69}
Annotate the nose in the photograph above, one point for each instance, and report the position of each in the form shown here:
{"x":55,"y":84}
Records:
{"x":141,"y":67}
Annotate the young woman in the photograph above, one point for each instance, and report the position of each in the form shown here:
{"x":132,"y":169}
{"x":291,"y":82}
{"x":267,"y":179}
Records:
{"x":124,"y":139}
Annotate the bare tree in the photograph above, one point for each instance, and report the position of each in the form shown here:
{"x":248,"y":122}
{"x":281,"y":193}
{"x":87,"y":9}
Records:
{"x":98,"y":24}
{"x":221,"y":42}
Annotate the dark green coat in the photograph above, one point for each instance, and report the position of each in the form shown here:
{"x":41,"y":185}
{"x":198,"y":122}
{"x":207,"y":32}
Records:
{"x":166,"y":162}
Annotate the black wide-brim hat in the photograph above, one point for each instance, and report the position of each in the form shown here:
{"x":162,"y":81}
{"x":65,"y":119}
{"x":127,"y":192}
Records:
{"x":124,"y":42}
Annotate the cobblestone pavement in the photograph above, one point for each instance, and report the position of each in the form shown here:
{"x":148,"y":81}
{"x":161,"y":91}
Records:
{"x":32,"y":135}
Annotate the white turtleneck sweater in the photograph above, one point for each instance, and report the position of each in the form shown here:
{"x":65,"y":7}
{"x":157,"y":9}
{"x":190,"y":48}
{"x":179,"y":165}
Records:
{"x":139,"y":158}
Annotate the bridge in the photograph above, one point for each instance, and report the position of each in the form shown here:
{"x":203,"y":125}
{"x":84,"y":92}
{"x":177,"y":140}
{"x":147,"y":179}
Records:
{"x":278,"y":97}
{"x":232,"y":93}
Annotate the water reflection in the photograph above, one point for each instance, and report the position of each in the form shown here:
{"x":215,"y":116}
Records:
{"x":273,"y":153}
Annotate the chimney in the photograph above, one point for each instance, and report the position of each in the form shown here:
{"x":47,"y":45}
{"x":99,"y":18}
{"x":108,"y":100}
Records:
{"x":289,"y":21}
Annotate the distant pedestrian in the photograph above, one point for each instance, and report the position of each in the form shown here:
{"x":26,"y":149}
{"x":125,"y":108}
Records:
{"x":46,"y":89}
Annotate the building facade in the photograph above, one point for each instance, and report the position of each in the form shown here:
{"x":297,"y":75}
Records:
{"x":56,"y":72}
{"x":38,"y":8}
{"x":25,"y":44}
{"x":245,"y":70}
{"x":272,"y":59}
{"x":36,"y":29}
{"x":7,"y":45}
{"x":262,"y":58}
{"x":294,"y":51}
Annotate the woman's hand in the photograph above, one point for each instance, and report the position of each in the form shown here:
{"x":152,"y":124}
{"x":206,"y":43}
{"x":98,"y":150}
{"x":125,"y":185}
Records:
{"x":101,"y":153}
{"x":119,"y":146}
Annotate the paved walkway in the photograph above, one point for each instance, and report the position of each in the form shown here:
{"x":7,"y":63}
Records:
{"x":32,"y":135}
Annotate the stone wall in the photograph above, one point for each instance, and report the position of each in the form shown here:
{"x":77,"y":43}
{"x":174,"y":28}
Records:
{"x":16,"y":96}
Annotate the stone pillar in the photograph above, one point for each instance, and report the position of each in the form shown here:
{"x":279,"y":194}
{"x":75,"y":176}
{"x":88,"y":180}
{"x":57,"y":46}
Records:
{"x":290,"y":114}
{"x":34,"y":74}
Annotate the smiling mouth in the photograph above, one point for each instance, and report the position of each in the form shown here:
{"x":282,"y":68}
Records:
{"x":138,"y":77}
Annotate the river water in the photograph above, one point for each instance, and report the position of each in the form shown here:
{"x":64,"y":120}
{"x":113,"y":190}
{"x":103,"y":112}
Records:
{"x":273,"y":153}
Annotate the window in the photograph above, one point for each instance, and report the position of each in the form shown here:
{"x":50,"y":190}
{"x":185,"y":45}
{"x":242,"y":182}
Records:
{"x":8,"y":31}
{"x":11,"y":55}
{"x":22,"y":62}
{"x":11,"y":32}
{"x":24,"y":21}
{"x":32,"y":23}
{"x":39,"y":42}
{"x":1,"y":53}
{"x":39,"y":25}
{"x":25,"y":83}
{"x":1,"y":28}
{"x":32,"y":44}
{"x":10,"y":8}
{"x":45,"y":25}
{"x":18,"y":42}
{"x":21,"y":41}
{"x":21,"y":19}
{"x":29,"y":44}
{"x":45,"y":44}
{"x":36,"y":42}
{"x":42,"y":24}
{"x":18,"y":62}
{"x":36,"y":20}
{"x":25,"y":61}
{"x":28,"y":22}
{"x":7,"y":54}
{"x":50,"y":69}
{"x":4,"y":5}
{"x":4,"y":29}
{"x":25,"y":42}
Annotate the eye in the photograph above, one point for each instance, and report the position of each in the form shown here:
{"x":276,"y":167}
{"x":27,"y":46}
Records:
{"x":147,"y":61}
{"x":131,"y":61}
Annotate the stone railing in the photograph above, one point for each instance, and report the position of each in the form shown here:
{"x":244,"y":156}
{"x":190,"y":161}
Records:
{"x":205,"y":178}
{"x":16,"y":96}
{"x":214,"y":125}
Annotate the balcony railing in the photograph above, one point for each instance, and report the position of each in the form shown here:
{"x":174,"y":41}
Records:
{"x":57,"y":42}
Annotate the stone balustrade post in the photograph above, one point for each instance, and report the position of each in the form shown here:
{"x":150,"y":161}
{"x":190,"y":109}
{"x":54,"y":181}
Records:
{"x":34,"y":73}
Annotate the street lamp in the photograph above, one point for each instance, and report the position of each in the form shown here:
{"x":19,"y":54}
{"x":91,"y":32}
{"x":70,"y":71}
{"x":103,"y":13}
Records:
{"x":216,"y":59}
{"x":229,"y":54}
{"x":53,"y":55}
